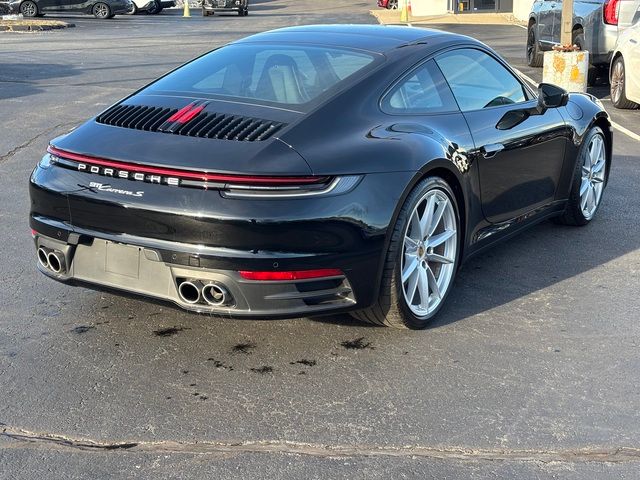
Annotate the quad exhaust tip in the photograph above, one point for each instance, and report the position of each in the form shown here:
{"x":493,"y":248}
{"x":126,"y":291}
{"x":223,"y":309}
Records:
{"x":196,"y":291}
{"x":43,"y":257}
{"x":56,"y":261}
{"x":215,"y":295}
{"x":189,"y":292}
{"x":52,"y":260}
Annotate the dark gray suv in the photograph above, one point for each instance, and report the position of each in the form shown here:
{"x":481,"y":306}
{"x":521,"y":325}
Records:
{"x":595,"y":28}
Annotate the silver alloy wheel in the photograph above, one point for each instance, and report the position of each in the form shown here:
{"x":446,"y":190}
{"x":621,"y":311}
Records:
{"x":593,"y":175}
{"x":617,"y":81}
{"x":101,"y":10}
{"x":29,"y":9}
{"x":429,"y":252}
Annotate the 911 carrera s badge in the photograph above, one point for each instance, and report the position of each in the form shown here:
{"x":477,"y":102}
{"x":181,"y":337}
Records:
{"x":108,"y":188}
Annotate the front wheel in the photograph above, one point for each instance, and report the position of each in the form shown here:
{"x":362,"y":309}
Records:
{"x":102,"y":11}
{"x":29,"y":9}
{"x":589,"y":180}
{"x":422,"y":259}
{"x":535,"y":57}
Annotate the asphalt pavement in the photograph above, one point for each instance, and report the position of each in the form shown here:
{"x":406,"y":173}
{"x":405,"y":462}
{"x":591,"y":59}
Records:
{"x":531,"y":370}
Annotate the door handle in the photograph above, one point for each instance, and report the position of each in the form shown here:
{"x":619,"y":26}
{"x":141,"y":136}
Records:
{"x":491,"y":149}
{"x":631,"y":40}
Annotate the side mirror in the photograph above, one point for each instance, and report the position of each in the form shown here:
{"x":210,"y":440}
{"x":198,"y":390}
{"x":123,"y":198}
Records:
{"x":551,"y":96}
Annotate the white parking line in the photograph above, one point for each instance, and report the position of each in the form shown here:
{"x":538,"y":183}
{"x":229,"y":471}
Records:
{"x":626,"y":131}
{"x":615,"y":125}
{"x":521,"y":26}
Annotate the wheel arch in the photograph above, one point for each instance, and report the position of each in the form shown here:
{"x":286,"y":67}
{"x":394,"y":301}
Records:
{"x":603,"y":122}
{"x":441,"y":168}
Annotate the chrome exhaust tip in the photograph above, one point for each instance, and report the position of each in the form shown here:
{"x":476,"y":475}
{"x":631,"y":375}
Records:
{"x":56,"y":261}
{"x":43,"y":257}
{"x":189,"y":292}
{"x":215,"y":295}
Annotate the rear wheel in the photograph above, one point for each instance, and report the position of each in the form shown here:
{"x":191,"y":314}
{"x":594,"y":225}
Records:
{"x":102,"y":11}
{"x":422,"y":259}
{"x":618,"y":92}
{"x":29,"y":9}
{"x":589,"y":180}
{"x":154,"y":8}
{"x":535,"y":57}
{"x":392,"y":4}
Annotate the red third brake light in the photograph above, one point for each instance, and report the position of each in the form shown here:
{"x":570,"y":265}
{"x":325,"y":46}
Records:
{"x":610,"y":12}
{"x":294,"y":275}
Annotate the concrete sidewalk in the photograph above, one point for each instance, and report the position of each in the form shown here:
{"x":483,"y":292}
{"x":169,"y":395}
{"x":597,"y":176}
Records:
{"x":392,"y":17}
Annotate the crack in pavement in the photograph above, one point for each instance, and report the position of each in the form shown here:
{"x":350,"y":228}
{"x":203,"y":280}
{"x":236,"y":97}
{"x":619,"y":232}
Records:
{"x":24,"y":438}
{"x":29,"y":142}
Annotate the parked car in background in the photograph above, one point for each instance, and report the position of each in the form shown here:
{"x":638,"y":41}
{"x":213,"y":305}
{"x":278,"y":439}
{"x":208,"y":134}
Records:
{"x":624,"y":75}
{"x":595,"y":28}
{"x":152,"y":7}
{"x":628,"y":14}
{"x":102,"y":9}
{"x":241,"y":7}
{"x":388,"y":4}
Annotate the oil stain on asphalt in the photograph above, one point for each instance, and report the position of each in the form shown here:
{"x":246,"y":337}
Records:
{"x":357,"y":344}
{"x":244,"y":348}
{"x":169,"y":332}
{"x":80,"y":329}
{"x":263,"y":370}
{"x":304,"y":361}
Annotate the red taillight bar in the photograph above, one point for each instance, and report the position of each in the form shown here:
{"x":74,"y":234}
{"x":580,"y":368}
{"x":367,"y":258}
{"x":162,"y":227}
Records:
{"x":292,"y":275}
{"x":610,"y":12}
{"x":186,"y":174}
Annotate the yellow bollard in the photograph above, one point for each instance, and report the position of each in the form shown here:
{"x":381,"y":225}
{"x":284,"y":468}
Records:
{"x":186,"y":13}
{"x":404,"y":12}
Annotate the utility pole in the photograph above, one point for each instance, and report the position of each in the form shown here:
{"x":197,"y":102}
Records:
{"x":566,"y":23}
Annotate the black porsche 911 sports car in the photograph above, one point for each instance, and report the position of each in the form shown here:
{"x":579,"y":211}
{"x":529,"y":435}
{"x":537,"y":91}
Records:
{"x":316,"y":169}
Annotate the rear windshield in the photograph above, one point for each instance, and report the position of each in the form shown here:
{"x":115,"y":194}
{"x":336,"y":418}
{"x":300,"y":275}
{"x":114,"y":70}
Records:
{"x":281,"y":75}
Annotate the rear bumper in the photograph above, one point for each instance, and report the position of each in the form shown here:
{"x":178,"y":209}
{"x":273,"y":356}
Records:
{"x":229,"y":6}
{"x":141,"y":268}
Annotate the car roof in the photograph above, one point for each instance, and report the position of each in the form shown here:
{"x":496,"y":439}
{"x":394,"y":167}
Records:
{"x":374,"y":38}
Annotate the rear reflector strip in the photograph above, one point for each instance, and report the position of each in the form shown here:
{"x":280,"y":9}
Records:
{"x":188,"y":175}
{"x":293,"y":275}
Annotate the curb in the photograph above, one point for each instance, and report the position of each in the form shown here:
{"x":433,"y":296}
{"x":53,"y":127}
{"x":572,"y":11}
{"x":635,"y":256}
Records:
{"x":35,"y":27}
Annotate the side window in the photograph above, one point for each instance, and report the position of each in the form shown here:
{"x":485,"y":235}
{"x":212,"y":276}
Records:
{"x":479,"y":81}
{"x":422,"y":91}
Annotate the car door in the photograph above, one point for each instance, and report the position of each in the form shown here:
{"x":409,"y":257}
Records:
{"x":519,"y":168}
{"x":556,"y":21}
{"x":633,"y":64}
{"x":545,"y":21}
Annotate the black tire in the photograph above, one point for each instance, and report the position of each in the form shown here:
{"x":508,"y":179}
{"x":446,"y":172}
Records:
{"x":391,"y":307}
{"x":592,"y":72}
{"x":134,"y":10}
{"x":29,"y":9}
{"x":535,"y":57}
{"x":618,"y":85}
{"x":102,"y":11}
{"x":392,"y":5}
{"x":573,"y":214}
{"x":154,"y":9}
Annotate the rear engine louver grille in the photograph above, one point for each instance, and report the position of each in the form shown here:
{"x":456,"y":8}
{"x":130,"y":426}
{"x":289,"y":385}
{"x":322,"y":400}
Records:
{"x":203,"y":125}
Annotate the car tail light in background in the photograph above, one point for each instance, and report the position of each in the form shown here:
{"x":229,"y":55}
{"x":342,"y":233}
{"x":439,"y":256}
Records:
{"x":610,"y":12}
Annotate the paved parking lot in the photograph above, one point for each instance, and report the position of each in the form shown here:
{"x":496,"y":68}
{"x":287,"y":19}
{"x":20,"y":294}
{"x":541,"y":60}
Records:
{"x":531,"y":370}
